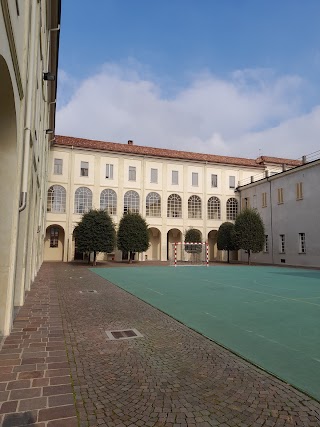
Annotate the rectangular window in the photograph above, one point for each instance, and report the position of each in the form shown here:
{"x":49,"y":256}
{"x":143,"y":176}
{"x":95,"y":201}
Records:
{"x":232,"y":182}
{"x":195,"y":176}
{"x":282,"y":244}
{"x":132,"y":173}
{"x":245,"y":203}
{"x":302,"y":243}
{"x":280,"y":196}
{"x":266,"y":244}
{"x":175,"y":178}
{"x":254,"y":201}
{"x":84,"y":169}
{"x":299,"y":191}
{"x":57,"y":167}
{"x":54,"y":237}
{"x":214,"y":180}
{"x":109,"y":171}
{"x":264,"y":200}
{"x":154,"y":176}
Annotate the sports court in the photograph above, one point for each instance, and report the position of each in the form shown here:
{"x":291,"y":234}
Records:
{"x":268,"y":315}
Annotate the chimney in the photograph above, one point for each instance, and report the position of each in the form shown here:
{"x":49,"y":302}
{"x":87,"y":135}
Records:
{"x":130,"y":142}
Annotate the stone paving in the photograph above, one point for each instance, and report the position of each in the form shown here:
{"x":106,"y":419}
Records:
{"x":171,"y":377}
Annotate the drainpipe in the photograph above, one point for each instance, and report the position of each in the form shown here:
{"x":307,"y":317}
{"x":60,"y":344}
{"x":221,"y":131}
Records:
{"x":27,"y":127}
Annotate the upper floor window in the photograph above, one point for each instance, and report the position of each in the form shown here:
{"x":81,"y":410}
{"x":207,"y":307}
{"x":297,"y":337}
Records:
{"x":131,"y":202}
{"x":232,"y":182}
{"x":174,"y":207}
{"x":302,"y":243}
{"x":280,"y":196}
{"x":108,"y":201}
{"x":266,"y":243}
{"x":195,"y":179}
{"x":154,"y":176}
{"x":214,"y":208}
{"x":57,"y":166}
{"x":56,"y":200}
{"x":194,"y":207}
{"x":175,"y":177}
{"x":264,"y":200}
{"x":82,"y":200}
{"x":214,"y":180}
{"x":282,"y":244}
{"x":153,"y":205}
{"x":299,"y":191}
{"x":109,"y":171}
{"x":132,"y":173}
{"x":232,"y":209}
{"x":84,"y":169}
{"x":54,"y":237}
{"x":245,"y":203}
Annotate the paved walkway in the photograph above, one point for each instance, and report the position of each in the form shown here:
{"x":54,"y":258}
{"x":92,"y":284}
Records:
{"x":170,"y":377}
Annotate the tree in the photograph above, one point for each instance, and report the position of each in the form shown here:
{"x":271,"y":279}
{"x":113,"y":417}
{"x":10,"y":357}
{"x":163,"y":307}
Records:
{"x":226,"y":239}
{"x":95,"y":233}
{"x":249,"y":230}
{"x":133,"y":235}
{"x":193,"y":236}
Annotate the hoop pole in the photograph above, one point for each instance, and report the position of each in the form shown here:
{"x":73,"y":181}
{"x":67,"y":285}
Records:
{"x":207,"y":258}
{"x":175,"y":254}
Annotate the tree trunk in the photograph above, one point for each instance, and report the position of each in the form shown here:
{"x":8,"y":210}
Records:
{"x":130,"y":258}
{"x":249,"y":257}
{"x":228,"y":257}
{"x":89,"y":257}
{"x":94,"y":258}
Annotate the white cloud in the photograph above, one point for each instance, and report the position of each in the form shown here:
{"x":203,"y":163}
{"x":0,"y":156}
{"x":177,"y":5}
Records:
{"x":251,"y":110}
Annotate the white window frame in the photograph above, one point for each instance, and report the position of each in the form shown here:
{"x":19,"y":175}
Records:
{"x":232,"y":181}
{"x":195,"y":179}
{"x":214,"y":180}
{"x":154,"y":176}
{"x":132,"y":173}
{"x":84,"y":168}
{"x":57,"y":166}
{"x":280,"y":196}
{"x":299,"y":191}
{"x":264,"y":200}
{"x":109,"y":171}
{"x":175,"y":177}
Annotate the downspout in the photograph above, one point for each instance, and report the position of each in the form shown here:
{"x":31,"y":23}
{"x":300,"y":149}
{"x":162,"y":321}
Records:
{"x":27,"y":127}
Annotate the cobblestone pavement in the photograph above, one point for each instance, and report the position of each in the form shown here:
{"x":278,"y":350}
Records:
{"x":172,"y":376}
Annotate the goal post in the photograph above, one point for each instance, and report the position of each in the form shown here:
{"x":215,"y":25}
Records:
{"x":185,"y":253}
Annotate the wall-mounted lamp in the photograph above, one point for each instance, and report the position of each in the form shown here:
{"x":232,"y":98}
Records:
{"x":49,"y":131}
{"x":49,"y":77}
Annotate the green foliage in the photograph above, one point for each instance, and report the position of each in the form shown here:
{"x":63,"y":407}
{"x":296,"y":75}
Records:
{"x":95,"y":232}
{"x":226,"y":239}
{"x":249,"y":231}
{"x":133,"y":235}
{"x":193,"y":236}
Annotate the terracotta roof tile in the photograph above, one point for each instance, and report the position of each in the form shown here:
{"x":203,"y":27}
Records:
{"x":278,"y":160}
{"x":159,"y":152}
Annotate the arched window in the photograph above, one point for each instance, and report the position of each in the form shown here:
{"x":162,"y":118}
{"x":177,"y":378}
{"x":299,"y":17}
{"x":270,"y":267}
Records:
{"x":108,"y":201}
{"x":232,"y":209}
{"x":194,"y":207}
{"x":174,"y":208}
{"x":153,"y":204}
{"x":82,"y":200}
{"x":56,"y":201}
{"x":214,"y":211}
{"x":131,"y":202}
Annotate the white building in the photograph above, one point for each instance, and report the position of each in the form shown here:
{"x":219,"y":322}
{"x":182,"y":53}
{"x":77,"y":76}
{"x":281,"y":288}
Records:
{"x":29,"y":40}
{"x":289,"y":204}
{"x":173,"y":190}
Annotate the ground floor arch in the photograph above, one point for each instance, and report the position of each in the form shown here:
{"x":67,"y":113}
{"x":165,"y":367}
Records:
{"x":54,"y":243}
{"x":154,"y":251}
{"x":214,"y":254}
{"x":174,"y":235}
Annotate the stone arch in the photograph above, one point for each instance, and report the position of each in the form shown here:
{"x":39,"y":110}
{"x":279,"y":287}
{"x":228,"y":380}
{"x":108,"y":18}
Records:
{"x":9,"y":185}
{"x":54,"y":243}
{"x":154,"y":251}
{"x":174,"y":235}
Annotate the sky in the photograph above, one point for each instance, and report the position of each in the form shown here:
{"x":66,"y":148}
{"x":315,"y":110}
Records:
{"x":228,"y":77}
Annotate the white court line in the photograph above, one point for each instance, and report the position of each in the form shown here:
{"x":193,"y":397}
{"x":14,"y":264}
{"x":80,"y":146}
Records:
{"x":209,"y":314}
{"x":155,"y":291}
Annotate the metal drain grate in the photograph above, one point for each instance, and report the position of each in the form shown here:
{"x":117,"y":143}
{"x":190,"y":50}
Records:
{"x":123,"y":334}
{"x":88,"y":291}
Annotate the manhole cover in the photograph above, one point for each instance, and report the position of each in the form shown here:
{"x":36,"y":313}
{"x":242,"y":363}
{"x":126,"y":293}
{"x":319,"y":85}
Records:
{"x":123,"y":334}
{"x":88,"y":291}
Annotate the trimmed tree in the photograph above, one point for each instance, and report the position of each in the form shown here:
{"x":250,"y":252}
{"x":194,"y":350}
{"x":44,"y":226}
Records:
{"x":95,"y":233}
{"x":226,"y":239}
{"x":249,"y":230}
{"x":193,"y":236}
{"x":133,"y":235}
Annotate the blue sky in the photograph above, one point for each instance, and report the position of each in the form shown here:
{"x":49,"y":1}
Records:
{"x":230,"y":77}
